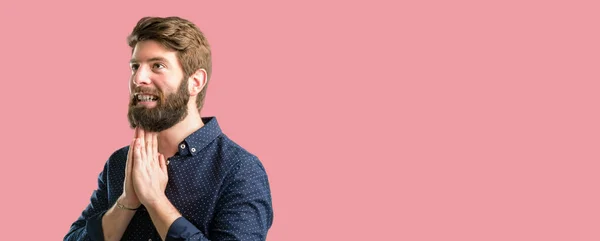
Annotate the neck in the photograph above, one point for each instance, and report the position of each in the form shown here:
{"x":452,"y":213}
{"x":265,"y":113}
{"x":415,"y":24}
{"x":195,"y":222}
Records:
{"x":169,"y":139}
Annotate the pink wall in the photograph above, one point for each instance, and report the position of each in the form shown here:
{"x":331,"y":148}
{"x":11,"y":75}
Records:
{"x":438,"y":120}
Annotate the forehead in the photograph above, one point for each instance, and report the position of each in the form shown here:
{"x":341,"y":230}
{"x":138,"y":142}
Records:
{"x":150,"y":50}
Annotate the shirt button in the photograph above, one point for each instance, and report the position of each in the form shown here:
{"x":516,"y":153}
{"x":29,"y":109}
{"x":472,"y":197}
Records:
{"x":193,"y":149}
{"x":182,"y":146}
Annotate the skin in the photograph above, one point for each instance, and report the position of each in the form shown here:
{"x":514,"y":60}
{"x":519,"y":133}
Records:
{"x":146,"y":175}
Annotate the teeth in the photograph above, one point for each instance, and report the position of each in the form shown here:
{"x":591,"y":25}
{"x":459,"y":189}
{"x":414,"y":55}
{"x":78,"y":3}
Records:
{"x":146,"y":97}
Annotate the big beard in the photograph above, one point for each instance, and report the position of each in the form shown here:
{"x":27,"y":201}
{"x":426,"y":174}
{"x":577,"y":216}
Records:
{"x":169,"y":110}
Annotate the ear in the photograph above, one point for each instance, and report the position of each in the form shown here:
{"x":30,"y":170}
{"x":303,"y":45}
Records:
{"x":197,"y":82}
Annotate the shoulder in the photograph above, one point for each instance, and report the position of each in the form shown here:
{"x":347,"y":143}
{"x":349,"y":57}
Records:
{"x":233,"y":152}
{"x":238,"y":159}
{"x":116,"y":161}
{"x":118,"y":157}
{"x":120,"y":153}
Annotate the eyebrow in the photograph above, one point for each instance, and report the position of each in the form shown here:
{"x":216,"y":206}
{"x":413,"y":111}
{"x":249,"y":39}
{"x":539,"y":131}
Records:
{"x":161,"y":59}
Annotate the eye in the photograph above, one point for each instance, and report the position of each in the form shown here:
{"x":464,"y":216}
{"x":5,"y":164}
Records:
{"x":158,"y":66}
{"x":134,"y":67}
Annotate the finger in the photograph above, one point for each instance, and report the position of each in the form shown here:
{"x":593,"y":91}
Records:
{"x":147,"y":136}
{"x":139,"y":132}
{"x":154,"y":161}
{"x":149,"y":151}
{"x":131,"y":151}
{"x":155,"y":147}
{"x":142,"y":157}
{"x":137,"y":154}
{"x":163,"y":163}
{"x":129,"y":161}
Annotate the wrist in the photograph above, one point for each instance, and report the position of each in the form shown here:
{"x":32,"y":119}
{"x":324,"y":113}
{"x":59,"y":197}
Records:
{"x":125,"y":203}
{"x":157,"y":202}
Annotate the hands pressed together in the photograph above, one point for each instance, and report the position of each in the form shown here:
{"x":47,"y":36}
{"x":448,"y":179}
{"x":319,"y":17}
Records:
{"x":146,"y":174}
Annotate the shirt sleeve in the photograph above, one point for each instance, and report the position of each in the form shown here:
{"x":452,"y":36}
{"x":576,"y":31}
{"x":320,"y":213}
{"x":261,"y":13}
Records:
{"x":244,"y":210}
{"x":182,"y":229}
{"x":89,"y":224}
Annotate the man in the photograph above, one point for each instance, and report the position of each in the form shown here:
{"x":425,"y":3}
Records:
{"x":181,"y":178}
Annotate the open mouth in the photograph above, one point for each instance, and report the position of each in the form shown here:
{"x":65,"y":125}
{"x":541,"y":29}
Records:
{"x":145,"y":97}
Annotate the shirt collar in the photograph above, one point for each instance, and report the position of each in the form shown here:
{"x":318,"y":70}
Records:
{"x":200,"y":138}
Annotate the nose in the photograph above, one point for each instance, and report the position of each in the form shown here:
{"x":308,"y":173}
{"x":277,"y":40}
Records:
{"x":141,"y":76}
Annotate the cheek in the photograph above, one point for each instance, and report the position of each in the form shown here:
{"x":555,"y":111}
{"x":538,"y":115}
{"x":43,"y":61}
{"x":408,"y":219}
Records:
{"x":167,"y":86}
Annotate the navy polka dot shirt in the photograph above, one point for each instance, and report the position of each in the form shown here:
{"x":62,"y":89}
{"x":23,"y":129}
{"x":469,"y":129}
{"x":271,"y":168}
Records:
{"x":220,"y":189}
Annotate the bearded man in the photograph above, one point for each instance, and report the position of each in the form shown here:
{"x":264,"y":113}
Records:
{"x":181,"y":177}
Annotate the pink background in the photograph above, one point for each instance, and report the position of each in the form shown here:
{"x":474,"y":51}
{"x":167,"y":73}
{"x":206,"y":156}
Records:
{"x":437,"y":120}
